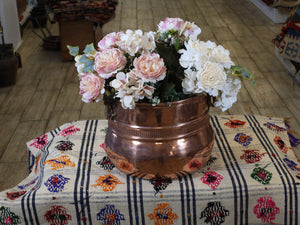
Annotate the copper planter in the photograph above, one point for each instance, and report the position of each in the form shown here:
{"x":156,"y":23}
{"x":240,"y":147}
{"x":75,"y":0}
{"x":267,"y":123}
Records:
{"x":161,"y":140}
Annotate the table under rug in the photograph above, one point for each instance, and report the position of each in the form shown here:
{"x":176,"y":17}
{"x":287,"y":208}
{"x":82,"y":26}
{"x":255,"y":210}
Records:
{"x":252,"y":178}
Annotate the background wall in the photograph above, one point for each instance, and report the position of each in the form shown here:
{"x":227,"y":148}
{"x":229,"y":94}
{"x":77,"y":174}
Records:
{"x":10,"y":22}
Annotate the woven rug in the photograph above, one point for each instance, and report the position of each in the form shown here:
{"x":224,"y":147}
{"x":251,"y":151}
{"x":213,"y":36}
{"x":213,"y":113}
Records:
{"x":98,"y":11}
{"x":285,"y":3}
{"x":252,"y":178}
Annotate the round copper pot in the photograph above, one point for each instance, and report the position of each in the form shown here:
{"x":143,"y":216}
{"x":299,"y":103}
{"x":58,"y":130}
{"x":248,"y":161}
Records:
{"x":162,"y":140}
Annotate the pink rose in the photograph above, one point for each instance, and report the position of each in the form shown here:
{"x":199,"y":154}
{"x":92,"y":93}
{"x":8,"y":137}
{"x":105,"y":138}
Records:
{"x":150,"y":67}
{"x":91,"y":88}
{"x":81,"y":75}
{"x":109,"y":61}
{"x":169,"y":24}
{"x":109,"y":40}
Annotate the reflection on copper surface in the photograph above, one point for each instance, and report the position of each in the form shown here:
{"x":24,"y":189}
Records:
{"x":160,"y":140}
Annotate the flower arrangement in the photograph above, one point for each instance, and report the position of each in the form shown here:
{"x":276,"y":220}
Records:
{"x":163,"y":66}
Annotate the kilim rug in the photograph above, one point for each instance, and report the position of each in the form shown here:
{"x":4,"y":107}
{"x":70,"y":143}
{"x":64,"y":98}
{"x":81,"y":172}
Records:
{"x":285,"y":3}
{"x":253,"y":177}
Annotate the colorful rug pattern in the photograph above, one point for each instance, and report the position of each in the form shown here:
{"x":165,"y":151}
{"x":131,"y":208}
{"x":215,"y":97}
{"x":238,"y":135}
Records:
{"x":253,"y":177}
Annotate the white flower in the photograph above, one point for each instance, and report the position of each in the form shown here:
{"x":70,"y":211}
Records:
{"x":128,"y":102}
{"x":131,"y":41}
{"x":123,"y":90}
{"x":143,"y":90}
{"x":221,"y":55}
{"x":190,"y":58}
{"x":189,"y":82}
{"x":196,"y":53}
{"x":134,"y":41}
{"x":210,"y":79}
{"x":200,"y":46}
{"x":80,"y":66}
{"x":130,"y":89}
{"x":148,"y":42}
{"x":120,"y":80}
{"x":190,"y":31}
{"x":229,"y":94}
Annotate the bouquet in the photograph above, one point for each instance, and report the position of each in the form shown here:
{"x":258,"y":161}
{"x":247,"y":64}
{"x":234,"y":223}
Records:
{"x":164,"y":66}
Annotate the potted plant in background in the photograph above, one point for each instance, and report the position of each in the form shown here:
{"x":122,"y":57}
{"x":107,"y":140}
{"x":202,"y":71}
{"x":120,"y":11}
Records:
{"x":158,"y":87}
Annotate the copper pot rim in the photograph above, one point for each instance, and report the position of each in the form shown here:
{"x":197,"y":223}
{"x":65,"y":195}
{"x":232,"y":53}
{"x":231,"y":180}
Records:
{"x":174,"y":103}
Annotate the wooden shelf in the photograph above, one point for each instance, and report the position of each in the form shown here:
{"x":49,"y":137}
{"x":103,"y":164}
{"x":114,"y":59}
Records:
{"x":277,"y":15}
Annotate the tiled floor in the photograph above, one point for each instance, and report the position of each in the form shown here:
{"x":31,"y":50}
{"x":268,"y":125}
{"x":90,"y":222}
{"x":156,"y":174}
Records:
{"x":46,"y":93}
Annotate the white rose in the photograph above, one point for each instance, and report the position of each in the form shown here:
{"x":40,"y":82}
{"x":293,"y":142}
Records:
{"x":198,"y":46}
{"x":221,"y":55}
{"x":212,"y":78}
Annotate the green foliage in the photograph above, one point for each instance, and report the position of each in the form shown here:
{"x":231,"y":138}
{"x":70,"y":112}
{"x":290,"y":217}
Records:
{"x":241,"y":72}
{"x":109,"y":98}
{"x":88,"y":63}
{"x":84,"y":59}
{"x":73,"y":50}
{"x":89,"y":49}
{"x":170,"y":88}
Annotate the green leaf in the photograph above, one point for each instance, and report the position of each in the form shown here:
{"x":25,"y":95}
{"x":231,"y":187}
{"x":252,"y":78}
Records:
{"x":237,"y":67}
{"x":88,"y":63}
{"x":170,"y":56}
{"x":89,"y":49}
{"x":177,"y":43}
{"x":167,"y":89}
{"x":241,"y":72}
{"x":73,"y":51}
{"x":245,"y":74}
